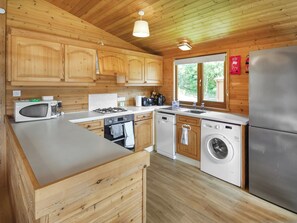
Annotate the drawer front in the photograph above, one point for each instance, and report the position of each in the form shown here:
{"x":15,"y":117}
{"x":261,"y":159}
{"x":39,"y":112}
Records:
{"x":143,"y":116}
{"x":92,"y":124}
{"x":188,"y":120}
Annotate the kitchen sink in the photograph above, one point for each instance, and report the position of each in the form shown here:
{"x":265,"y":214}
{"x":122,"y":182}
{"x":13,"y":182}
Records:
{"x":196,"y":111}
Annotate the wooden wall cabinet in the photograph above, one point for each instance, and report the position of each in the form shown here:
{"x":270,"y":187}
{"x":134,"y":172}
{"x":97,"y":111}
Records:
{"x":192,"y":150}
{"x":80,"y":64}
{"x":142,"y":71}
{"x":143,"y":127}
{"x":153,"y":71}
{"x":36,"y":60}
{"x":135,"y":74}
{"x":96,"y":126}
{"x":111,"y":63}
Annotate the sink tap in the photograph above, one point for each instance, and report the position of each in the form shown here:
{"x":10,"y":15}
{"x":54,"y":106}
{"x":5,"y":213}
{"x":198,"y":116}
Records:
{"x":202,"y":107}
{"x":194,"y":105}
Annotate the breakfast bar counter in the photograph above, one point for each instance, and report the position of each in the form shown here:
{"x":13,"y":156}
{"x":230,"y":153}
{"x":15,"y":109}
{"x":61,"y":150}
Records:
{"x":60,"y":172}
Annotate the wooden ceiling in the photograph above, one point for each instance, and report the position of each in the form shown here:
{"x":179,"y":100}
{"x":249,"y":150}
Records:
{"x":171,"y":21}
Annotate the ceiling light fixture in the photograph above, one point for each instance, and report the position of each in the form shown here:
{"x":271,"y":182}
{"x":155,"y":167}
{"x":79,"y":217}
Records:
{"x":184,"y":45}
{"x":141,"y":28}
{"x":2,"y":11}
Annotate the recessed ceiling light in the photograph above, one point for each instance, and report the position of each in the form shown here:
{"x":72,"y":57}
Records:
{"x":184,"y":46}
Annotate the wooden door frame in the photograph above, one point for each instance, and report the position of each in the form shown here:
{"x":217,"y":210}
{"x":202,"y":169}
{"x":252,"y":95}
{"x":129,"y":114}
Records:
{"x":3,"y":174}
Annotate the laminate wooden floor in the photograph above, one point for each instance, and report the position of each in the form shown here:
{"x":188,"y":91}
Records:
{"x":180,"y":193}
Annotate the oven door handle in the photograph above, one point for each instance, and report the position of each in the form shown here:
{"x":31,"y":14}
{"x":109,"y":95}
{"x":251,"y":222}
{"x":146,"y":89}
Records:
{"x":118,"y":139}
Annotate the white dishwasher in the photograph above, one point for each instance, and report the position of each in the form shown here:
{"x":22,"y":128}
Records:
{"x":166,"y":134}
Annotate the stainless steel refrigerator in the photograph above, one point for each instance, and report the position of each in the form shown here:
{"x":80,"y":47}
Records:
{"x":273,"y":126}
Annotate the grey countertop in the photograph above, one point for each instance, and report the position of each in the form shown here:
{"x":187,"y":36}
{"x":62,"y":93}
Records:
{"x":58,"y":148}
{"x":210,"y":115}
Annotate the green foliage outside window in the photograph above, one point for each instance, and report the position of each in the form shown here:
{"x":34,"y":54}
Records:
{"x":187,"y":79}
{"x":211,"y":71}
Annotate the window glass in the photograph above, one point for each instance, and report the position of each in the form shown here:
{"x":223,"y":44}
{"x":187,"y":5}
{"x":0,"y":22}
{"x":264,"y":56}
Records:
{"x":187,"y":75}
{"x":213,"y":81}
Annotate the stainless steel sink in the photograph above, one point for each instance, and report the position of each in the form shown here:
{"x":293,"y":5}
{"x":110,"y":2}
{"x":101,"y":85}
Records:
{"x":196,"y":111}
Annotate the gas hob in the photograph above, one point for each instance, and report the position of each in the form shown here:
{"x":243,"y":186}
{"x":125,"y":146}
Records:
{"x":110,"y":110}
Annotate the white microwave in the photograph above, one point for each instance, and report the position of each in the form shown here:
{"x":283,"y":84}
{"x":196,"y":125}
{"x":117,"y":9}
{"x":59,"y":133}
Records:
{"x":25,"y":111}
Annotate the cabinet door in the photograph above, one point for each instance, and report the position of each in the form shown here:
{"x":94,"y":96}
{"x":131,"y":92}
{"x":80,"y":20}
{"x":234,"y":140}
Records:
{"x":135,"y":74}
{"x":153,"y":71}
{"x":143,"y":134}
{"x":192,"y":150}
{"x":80,"y":64}
{"x":111,"y":63}
{"x":36,"y":60}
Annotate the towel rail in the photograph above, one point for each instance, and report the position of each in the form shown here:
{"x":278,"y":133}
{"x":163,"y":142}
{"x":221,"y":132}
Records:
{"x":187,"y":126}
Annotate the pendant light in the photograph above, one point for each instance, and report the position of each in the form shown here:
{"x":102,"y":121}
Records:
{"x":141,"y":28}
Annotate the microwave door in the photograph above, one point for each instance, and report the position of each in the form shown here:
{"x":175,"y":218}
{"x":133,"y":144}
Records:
{"x":33,"y":112}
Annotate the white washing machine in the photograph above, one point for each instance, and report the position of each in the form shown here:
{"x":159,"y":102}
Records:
{"x":221,"y":150}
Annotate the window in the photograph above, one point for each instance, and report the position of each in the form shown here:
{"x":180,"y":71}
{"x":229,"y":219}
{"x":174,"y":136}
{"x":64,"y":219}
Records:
{"x":202,"y":80}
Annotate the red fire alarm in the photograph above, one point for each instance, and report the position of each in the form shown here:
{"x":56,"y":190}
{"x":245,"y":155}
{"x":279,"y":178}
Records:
{"x":235,"y":64}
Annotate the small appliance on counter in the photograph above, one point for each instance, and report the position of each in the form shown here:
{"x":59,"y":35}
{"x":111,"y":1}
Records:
{"x":138,"y":101}
{"x":157,"y":98}
{"x":35,"y":109}
{"x":147,"y":101}
{"x":161,"y":99}
{"x":121,"y":101}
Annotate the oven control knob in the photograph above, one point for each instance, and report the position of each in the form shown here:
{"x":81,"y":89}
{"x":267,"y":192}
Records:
{"x":109,"y":121}
{"x":217,"y":127}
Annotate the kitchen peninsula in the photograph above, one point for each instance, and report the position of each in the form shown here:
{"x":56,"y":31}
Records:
{"x":60,"y":172}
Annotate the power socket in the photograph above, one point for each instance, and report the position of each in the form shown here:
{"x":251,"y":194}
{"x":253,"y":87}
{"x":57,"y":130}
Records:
{"x":16,"y":93}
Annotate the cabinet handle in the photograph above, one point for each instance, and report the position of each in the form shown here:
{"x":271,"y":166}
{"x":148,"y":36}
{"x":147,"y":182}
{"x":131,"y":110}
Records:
{"x":145,"y":81}
{"x":88,"y":126}
{"x":187,"y":126}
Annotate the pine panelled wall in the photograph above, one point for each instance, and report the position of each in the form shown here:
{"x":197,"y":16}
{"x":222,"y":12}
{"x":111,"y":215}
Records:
{"x":2,"y":96}
{"x":196,"y":20}
{"x":53,"y":20}
{"x":41,"y":16}
{"x":76,"y":98}
{"x":238,"y":84}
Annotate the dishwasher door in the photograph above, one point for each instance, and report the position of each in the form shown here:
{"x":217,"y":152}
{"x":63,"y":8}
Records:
{"x":166,"y":134}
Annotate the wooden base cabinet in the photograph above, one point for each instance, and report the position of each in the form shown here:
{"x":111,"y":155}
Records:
{"x":96,"y":126}
{"x":143,"y":131}
{"x":192,"y":150}
{"x":111,"y":192}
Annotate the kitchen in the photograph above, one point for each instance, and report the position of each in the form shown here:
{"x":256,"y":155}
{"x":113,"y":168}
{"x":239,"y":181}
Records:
{"x":256,"y":31}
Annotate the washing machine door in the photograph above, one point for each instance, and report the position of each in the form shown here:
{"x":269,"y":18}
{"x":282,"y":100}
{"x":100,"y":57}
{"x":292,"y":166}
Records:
{"x":219,"y":149}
